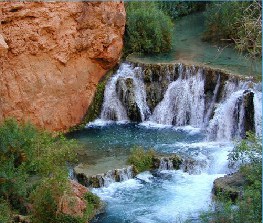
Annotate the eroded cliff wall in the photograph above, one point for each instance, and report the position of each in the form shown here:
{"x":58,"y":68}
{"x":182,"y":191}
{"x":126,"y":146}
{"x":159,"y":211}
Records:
{"x":52,"y":57}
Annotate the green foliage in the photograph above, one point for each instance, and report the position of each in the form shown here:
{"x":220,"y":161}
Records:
{"x":235,"y":22}
{"x":5,"y":212}
{"x":141,"y":159}
{"x":148,"y":29}
{"x":96,"y":105}
{"x":30,"y":160}
{"x":92,"y":203}
{"x":249,"y":208}
{"x":45,"y":199}
{"x":177,"y":9}
{"x":92,"y":199}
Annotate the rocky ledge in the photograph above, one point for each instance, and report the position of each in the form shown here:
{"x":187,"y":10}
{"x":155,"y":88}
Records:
{"x":229,"y":186}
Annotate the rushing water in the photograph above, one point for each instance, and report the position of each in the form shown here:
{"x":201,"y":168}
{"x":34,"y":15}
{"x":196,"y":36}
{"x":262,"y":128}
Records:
{"x":164,"y":195}
{"x":184,"y":122}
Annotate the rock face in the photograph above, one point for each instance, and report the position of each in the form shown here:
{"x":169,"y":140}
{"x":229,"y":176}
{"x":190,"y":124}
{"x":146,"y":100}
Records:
{"x":52,"y":57}
{"x":74,"y":205}
{"x":229,"y":186}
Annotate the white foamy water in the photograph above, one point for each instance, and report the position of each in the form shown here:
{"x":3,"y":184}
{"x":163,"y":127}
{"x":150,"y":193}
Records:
{"x":183,"y":102}
{"x":113,"y":108}
{"x":258,"y":113}
{"x":166,"y":195}
{"x":102,"y":123}
{"x":170,"y":196}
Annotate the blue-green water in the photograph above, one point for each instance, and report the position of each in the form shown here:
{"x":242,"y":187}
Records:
{"x":162,"y":196}
{"x":188,"y":47}
{"x":117,"y":139}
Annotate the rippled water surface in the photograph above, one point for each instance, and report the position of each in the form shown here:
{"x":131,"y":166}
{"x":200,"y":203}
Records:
{"x":160,"y":196}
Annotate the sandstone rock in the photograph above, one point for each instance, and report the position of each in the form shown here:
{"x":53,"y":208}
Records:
{"x":3,"y":44}
{"x":57,"y":53}
{"x":75,"y":204}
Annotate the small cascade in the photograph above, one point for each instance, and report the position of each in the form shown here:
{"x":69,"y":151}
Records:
{"x":257,"y":99}
{"x":105,"y":179}
{"x":123,"y":89}
{"x":183,"y":102}
{"x":212,"y":104}
{"x":166,"y":164}
{"x":228,"y":118}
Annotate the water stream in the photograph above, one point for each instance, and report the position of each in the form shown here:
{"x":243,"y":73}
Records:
{"x":189,"y":47}
{"x":189,"y":120}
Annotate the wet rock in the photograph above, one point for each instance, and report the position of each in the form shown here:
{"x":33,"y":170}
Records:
{"x":249,"y":112}
{"x":125,"y":90}
{"x":172,"y":162}
{"x":229,"y":186}
{"x":104,"y":179}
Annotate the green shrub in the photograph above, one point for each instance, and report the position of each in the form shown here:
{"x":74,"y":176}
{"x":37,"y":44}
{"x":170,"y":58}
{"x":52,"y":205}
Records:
{"x":92,"y":199}
{"x":141,"y":159}
{"x":5,"y":212}
{"x":30,"y":161}
{"x":235,"y":22}
{"x":177,"y":9}
{"x":148,"y":29}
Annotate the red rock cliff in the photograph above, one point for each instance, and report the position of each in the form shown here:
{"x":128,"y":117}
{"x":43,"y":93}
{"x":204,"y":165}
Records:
{"x":52,"y":56}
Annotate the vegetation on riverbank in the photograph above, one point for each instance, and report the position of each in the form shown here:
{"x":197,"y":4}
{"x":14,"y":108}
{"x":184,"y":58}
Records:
{"x":33,"y":172}
{"x":248,"y":208}
{"x":235,"y":22}
{"x":141,"y":159}
{"x":144,"y":160}
{"x":149,"y":25}
{"x":148,"y":29}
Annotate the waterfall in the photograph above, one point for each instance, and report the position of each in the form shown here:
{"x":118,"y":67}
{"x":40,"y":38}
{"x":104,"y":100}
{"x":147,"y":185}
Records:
{"x":105,"y":179}
{"x":258,"y":113}
{"x":113,"y":107}
{"x":179,"y":95}
{"x":226,"y":123}
{"x":212,"y":104}
{"x":165,"y":164}
{"x":183,"y":102}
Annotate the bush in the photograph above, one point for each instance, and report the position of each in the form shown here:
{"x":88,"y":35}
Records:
{"x":141,"y":159}
{"x":148,"y":29}
{"x":33,"y":168}
{"x":177,"y":9}
{"x":235,"y":22}
{"x":5,"y":212}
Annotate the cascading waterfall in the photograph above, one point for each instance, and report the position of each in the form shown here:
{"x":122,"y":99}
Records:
{"x":228,"y":118}
{"x":165,"y":164}
{"x":224,"y":106}
{"x":113,"y":108}
{"x":257,"y":99}
{"x":183,"y":102}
